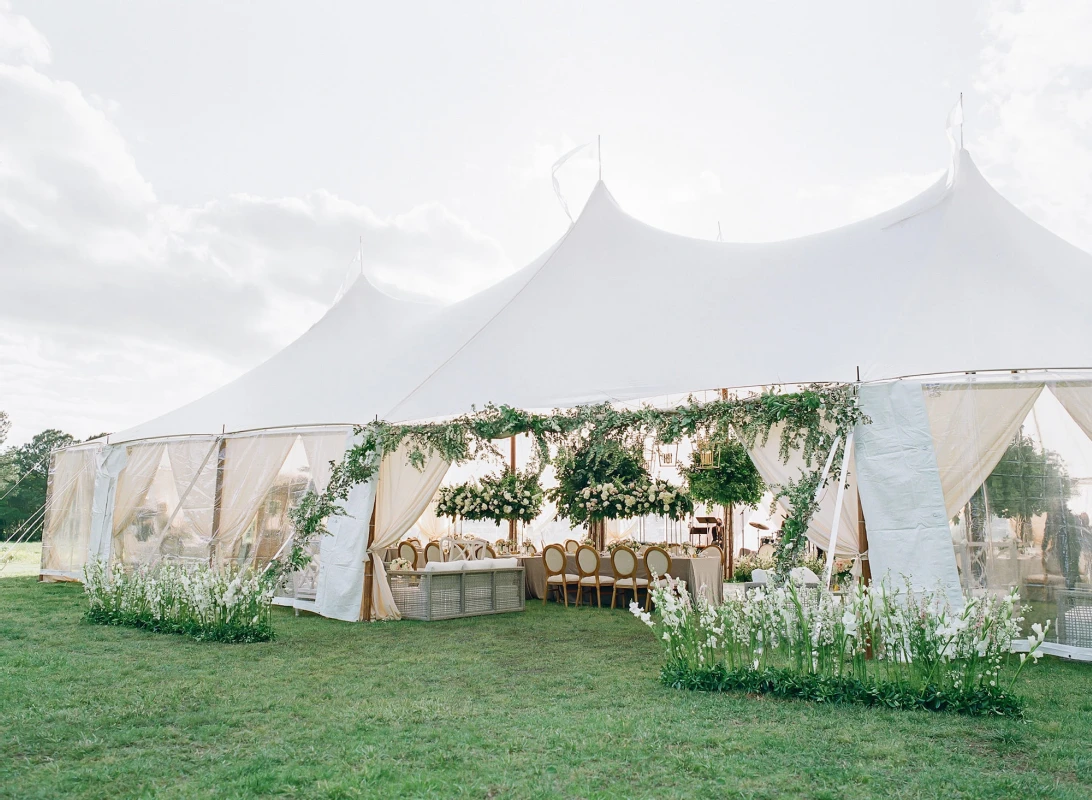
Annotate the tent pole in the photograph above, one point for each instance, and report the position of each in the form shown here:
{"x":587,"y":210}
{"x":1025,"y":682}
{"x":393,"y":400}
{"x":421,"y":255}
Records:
{"x":862,"y":544}
{"x":835,"y":523}
{"x":512,"y":530}
{"x":217,"y":498}
{"x":366,"y":597}
{"x":729,"y":539}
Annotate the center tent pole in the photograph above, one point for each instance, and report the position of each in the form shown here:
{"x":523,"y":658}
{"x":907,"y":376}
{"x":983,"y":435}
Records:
{"x":513,"y":524}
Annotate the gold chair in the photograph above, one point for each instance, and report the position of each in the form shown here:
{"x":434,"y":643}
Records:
{"x":712,"y":551}
{"x":587,"y":564}
{"x":571,"y":546}
{"x":556,"y":562}
{"x":433,"y":552}
{"x":658,"y":564}
{"x":624,"y":564}
{"x":409,"y":551}
{"x":490,"y":552}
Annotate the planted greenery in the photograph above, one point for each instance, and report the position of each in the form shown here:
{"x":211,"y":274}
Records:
{"x":192,"y":600}
{"x":731,"y":478}
{"x":899,"y":649}
{"x":509,"y":496}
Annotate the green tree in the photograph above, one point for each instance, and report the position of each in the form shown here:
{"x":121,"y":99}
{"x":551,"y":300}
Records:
{"x":5,"y":426}
{"x":27,"y":471}
{"x":1026,"y":482}
{"x":730,"y":480}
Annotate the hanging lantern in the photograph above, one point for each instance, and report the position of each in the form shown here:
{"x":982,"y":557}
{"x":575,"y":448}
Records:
{"x":708,"y":454}
{"x":669,"y":455}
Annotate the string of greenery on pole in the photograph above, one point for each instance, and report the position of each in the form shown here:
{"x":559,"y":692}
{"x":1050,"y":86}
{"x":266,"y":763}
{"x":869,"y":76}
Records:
{"x":812,"y":419}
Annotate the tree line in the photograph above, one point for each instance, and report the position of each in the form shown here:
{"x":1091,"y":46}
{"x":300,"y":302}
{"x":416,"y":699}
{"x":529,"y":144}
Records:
{"x":24,"y":472}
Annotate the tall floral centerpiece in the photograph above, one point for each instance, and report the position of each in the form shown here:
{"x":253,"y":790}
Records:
{"x":607,"y":479}
{"x":510,"y":496}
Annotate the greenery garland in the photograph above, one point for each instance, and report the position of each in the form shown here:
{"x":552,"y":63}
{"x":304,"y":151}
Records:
{"x":811,"y":418}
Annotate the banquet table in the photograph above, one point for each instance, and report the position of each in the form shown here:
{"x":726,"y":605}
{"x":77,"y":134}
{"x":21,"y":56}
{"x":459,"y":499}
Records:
{"x":704,"y":573}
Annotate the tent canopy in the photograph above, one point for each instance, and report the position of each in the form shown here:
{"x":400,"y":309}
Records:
{"x":955,"y":279}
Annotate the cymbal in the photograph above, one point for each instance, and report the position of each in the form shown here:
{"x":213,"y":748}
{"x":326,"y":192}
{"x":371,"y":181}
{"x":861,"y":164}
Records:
{"x":759,"y":525}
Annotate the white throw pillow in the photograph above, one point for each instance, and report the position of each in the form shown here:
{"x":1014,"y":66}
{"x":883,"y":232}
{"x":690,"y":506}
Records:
{"x":445,"y":566}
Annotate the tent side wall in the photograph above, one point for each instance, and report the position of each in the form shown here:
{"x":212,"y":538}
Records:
{"x":66,"y":528}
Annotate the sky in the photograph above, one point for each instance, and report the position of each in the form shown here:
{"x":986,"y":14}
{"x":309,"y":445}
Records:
{"x":184,"y":186}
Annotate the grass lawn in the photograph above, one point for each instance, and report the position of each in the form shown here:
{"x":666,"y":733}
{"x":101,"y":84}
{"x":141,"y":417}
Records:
{"x":27,"y":559}
{"x":549,"y":703}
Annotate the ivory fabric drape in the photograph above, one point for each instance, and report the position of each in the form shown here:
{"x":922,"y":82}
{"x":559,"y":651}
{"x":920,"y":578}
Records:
{"x":908,"y":532}
{"x":109,"y":462}
{"x":321,"y":449}
{"x":403,"y":494}
{"x":193,"y":468}
{"x":972,"y":426}
{"x":251,"y":464}
{"x":1077,"y":400}
{"x":340,"y":584}
{"x":67,"y":524}
{"x":134,"y":481}
{"x":767,"y":460}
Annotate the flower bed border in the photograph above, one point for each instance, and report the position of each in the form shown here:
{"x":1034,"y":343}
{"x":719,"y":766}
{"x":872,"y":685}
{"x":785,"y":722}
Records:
{"x":789,"y":684}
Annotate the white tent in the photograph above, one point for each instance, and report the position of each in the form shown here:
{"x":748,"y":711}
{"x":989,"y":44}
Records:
{"x":932,"y":286}
{"x":919,"y":289}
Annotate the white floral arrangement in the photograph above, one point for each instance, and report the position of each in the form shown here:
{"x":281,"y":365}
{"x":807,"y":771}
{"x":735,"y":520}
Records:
{"x":511,"y":496}
{"x":917,"y":641}
{"x":634,"y":545}
{"x":191,"y":599}
{"x":618,"y":500}
{"x":401,"y":565}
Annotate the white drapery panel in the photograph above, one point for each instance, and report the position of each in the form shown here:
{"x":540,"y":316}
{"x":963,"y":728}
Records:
{"x":403,"y":494}
{"x":340,"y":585}
{"x":321,"y":449}
{"x":67,"y":525}
{"x":134,"y":481}
{"x":1077,"y":400}
{"x":972,"y":426}
{"x":908,"y":533}
{"x":109,"y":462}
{"x":193,"y":469}
{"x":251,"y":464}
{"x":773,"y":470}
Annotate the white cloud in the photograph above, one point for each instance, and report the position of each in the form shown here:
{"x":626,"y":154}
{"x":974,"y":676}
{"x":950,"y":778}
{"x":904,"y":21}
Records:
{"x":1035,"y":80}
{"x":115,"y":307}
{"x":21,"y":42}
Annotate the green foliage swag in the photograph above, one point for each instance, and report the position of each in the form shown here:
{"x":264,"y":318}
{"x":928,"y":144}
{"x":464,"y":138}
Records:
{"x":732,"y":479}
{"x":811,"y":418}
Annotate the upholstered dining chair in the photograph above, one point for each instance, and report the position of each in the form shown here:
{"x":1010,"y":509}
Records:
{"x":555,"y":562}
{"x":433,"y":552}
{"x":624,"y":564}
{"x":409,"y":551}
{"x":712,"y":551}
{"x":489,"y":552}
{"x":571,"y":545}
{"x":587,"y":564}
{"x":658,"y":564}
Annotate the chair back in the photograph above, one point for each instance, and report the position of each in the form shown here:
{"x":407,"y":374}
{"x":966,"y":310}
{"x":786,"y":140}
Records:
{"x":433,"y":552}
{"x":657,"y":562}
{"x":571,"y":545}
{"x":624,"y":563}
{"x":554,"y":560}
{"x":408,"y":551}
{"x":490,"y":552}
{"x":712,"y":551}
{"x":587,"y":561}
